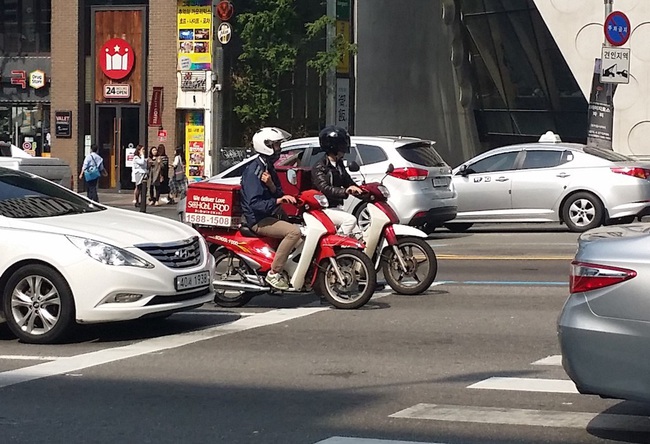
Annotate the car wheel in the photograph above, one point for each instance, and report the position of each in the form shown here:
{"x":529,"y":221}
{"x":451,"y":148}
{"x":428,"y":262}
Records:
{"x":582,"y":211}
{"x":363,"y":216}
{"x":458,"y":227}
{"x":38,"y":305}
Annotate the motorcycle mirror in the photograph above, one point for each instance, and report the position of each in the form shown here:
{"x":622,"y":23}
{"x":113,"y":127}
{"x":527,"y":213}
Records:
{"x":390,"y":168}
{"x":354,"y":167}
{"x":292,"y":177}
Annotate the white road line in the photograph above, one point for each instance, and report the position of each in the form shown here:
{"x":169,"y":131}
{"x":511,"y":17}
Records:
{"x":527,"y":385}
{"x":525,"y":417}
{"x":349,"y":440}
{"x":549,"y":360}
{"x":79,"y":362}
{"x":29,"y":358}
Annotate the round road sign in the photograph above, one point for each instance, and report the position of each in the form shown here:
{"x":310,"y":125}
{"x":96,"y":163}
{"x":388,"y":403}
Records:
{"x":224,"y":33}
{"x":617,"y":28}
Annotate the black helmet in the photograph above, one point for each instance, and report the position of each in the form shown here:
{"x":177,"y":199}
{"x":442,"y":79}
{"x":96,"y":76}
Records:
{"x":334,"y":139}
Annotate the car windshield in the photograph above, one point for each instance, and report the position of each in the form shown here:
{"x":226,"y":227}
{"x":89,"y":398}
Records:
{"x":422,"y":153}
{"x":24,"y":196}
{"x":607,"y":155}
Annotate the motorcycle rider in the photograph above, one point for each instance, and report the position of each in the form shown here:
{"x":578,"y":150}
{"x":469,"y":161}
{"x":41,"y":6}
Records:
{"x":261,"y":197}
{"x":331,"y":178}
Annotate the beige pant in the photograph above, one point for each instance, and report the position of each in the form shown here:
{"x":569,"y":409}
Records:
{"x":279,"y":229}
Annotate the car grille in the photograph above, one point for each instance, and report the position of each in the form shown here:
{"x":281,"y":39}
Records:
{"x":183,"y":254}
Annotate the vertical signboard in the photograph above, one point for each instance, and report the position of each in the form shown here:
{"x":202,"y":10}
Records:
{"x":194,"y":35}
{"x":195,"y":144}
{"x":343,"y":103}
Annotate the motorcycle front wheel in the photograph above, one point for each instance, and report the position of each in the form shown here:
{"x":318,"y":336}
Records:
{"x":421,"y":266}
{"x":359,"y":279}
{"x":229,"y":267}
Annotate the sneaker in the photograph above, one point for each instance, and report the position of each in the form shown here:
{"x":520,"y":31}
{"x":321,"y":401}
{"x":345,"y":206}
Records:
{"x":277,"y":280}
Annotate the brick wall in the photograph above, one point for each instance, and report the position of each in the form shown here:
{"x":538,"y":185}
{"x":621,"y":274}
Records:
{"x":65,"y":88}
{"x":162,"y":67}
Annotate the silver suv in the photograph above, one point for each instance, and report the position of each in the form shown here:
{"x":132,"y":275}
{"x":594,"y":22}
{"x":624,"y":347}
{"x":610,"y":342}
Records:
{"x":422,"y":192}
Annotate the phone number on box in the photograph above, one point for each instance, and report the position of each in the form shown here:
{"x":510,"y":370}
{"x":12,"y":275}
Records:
{"x":207,"y":219}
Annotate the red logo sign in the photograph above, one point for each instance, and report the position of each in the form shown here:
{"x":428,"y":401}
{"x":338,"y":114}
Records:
{"x":225,"y":10}
{"x":116,"y":58}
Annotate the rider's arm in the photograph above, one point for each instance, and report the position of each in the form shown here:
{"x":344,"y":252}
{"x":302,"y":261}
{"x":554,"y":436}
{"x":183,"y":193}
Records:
{"x":255,"y":193}
{"x":321,"y":182}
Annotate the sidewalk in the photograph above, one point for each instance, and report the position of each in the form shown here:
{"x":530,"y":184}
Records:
{"x":124,"y":200}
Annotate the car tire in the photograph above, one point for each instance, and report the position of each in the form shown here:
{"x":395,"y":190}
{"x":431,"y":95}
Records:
{"x":38,"y":305}
{"x":363,"y":216}
{"x":458,"y":227}
{"x":582,"y":211}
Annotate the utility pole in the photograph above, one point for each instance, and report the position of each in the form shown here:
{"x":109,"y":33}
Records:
{"x":330,"y":105}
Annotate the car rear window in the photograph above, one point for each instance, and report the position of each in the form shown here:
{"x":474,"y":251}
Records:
{"x":607,"y":155}
{"x":421,"y":153}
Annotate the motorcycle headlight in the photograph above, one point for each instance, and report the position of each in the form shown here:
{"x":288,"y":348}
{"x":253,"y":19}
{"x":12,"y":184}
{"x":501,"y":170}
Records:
{"x":322,"y":200}
{"x":384,"y":191}
{"x":108,"y":254}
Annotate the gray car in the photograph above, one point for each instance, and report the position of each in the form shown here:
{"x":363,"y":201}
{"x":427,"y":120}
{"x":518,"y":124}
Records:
{"x":580,"y":186}
{"x":604,"y":327}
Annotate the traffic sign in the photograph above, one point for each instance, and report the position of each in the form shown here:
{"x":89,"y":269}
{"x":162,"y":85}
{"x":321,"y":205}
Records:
{"x":617,"y":28}
{"x":224,"y":33}
{"x":615,"y":66}
{"x":225,"y":10}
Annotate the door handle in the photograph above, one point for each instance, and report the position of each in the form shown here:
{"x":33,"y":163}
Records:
{"x":502,"y":179}
{"x":563,"y":175}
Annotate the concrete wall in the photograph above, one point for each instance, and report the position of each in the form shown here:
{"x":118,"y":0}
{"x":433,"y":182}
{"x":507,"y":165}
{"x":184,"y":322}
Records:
{"x":406,"y":81}
{"x":577,"y":27}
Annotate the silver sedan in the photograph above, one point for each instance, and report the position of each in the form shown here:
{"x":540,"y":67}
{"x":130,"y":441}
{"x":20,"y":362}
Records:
{"x":580,"y":186}
{"x":604,"y":327}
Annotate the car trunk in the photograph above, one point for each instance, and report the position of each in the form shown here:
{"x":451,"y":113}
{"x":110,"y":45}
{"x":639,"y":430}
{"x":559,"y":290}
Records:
{"x":423,"y":155}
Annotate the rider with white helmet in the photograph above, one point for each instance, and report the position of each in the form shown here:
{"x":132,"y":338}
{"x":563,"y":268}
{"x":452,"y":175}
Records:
{"x":261,"y":197}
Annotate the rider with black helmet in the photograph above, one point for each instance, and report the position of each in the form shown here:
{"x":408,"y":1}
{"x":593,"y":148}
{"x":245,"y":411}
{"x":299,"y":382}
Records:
{"x":331,"y":178}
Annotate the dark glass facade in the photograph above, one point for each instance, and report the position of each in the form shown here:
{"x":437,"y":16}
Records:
{"x":26,"y":26}
{"x":522,"y":86}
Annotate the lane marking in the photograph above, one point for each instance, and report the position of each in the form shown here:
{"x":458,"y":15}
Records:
{"x":29,"y":358}
{"x":73,"y":364}
{"x":350,"y":440}
{"x":504,"y":258}
{"x":550,"y":360}
{"x":526,"y":417}
{"x":530,"y":283}
{"x":526,"y":385}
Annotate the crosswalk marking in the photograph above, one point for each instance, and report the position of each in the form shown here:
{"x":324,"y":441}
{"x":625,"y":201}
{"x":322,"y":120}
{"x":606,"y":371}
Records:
{"x":549,"y":360}
{"x":526,"y":417}
{"x":28,"y":358}
{"x":350,"y":440}
{"x":527,"y":385}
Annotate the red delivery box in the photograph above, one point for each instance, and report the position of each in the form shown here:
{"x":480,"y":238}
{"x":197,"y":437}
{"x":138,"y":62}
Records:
{"x":213,"y":204}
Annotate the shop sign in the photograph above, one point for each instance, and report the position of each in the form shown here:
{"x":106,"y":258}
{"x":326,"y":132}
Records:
{"x":194,"y":35}
{"x":37,"y":79}
{"x":115,"y":91}
{"x":225,"y":10}
{"x":155,"y":107}
{"x":193,"y":80}
{"x":116,"y":58}
{"x":224,"y":33}
{"x":18,"y":78}
{"x":63,"y":124}
{"x":162,"y":135}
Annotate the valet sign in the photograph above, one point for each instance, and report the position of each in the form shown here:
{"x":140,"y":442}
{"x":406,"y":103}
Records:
{"x":116,"y":58}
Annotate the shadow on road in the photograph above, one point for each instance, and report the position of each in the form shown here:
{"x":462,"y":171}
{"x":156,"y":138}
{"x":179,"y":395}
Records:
{"x":614,"y":427}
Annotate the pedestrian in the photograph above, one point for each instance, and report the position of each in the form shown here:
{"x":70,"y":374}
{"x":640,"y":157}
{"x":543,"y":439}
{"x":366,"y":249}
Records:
{"x":138,"y":173}
{"x":164,"y":171}
{"x":178,"y":182}
{"x":91,"y":170}
{"x":154,"y":167}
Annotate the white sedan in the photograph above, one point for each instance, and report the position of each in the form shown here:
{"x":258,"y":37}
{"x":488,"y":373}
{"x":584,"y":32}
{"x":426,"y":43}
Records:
{"x":65,"y":260}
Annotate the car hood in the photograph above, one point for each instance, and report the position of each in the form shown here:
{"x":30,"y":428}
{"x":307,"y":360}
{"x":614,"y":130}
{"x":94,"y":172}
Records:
{"x":121,"y":228}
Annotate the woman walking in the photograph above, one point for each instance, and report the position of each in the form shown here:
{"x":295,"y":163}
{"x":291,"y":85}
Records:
{"x":154,"y":166}
{"x":138,"y":173}
{"x":164,"y":172}
{"x":178,"y":182}
{"x":91,"y":170}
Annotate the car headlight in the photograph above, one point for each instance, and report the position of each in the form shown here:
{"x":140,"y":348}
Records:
{"x":384,"y":191}
{"x":108,"y":254}
{"x":322,"y":200}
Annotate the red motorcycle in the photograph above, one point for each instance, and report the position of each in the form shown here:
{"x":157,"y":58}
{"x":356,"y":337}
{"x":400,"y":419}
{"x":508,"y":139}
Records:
{"x":333,"y":266}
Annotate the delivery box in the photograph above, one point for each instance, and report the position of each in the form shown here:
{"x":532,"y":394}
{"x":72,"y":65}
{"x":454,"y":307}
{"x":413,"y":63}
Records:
{"x":212,"y":204}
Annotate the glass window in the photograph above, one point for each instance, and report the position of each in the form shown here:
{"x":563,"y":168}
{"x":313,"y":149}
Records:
{"x":350,"y":157}
{"x":25,"y":26}
{"x":607,"y":155}
{"x":290,"y":157}
{"x":498,"y":162}
{"x":543,"y":159}
{"x":370,"y":154}
{"x":421,"y":153}
{"x":239,"y":171}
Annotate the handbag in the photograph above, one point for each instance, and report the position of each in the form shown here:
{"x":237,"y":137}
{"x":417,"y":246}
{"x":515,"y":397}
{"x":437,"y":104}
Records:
{"x":92,"y":172}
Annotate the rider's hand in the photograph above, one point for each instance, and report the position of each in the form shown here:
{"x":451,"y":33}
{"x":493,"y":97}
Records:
{"x":287,"y":199}
{"x":354,"y":190}
{"x":266,"y":178}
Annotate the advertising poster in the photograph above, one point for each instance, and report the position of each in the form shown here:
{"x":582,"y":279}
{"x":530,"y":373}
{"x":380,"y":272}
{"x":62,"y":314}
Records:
{"x":194,"y":35}
{"x":195,"y":145}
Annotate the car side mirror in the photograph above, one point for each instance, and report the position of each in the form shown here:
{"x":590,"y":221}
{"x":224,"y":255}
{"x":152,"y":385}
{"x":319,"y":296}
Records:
{"x":354,"y":166}
{"x":464,"y":171}
{"x":292,"y":176}
{"x":390,"y":168}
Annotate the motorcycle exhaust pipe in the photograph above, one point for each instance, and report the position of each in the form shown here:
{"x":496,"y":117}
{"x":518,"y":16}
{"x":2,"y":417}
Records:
{"x":238,"y":286}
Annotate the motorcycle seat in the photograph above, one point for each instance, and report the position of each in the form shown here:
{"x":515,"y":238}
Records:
{"x":246,"y":232}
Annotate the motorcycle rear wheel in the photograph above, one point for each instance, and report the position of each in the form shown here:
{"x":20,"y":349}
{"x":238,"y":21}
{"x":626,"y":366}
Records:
{"x":416,"y":252}
{"x":228,"y":267}
{"x":359,"y":275}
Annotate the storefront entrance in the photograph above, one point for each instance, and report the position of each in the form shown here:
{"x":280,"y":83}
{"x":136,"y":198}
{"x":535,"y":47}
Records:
{"x":118,"y":129}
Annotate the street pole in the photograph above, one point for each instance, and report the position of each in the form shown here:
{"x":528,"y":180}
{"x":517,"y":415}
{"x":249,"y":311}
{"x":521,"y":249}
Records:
{"x":609,"y":87}
{"x":330,"y":105}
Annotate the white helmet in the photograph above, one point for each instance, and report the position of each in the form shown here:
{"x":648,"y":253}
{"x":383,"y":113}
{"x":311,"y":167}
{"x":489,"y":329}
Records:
{"x":263,"y":139}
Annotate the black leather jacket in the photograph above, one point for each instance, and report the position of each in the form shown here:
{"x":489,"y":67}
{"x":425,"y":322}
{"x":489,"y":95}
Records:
{"x":331,"y":180}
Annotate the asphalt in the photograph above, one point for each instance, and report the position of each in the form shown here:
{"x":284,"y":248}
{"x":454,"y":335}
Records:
{"x":124,"y":200}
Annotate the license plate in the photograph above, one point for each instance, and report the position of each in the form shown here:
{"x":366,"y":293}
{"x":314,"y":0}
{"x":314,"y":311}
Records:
{"x":195,"y":280}
{"x":439,"y":182}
